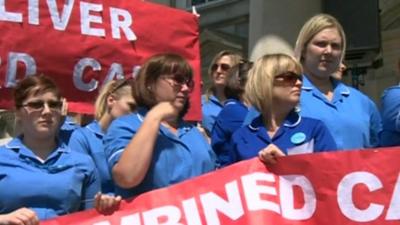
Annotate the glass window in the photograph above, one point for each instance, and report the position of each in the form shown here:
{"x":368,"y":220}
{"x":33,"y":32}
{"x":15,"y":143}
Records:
{"x":199,"y":2}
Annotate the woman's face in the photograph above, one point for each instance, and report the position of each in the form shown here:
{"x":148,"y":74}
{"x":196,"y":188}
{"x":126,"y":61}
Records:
{"x":220,"y":70}
{"x":174,"y":88}
{"x":122,"y":105}
{"x":40,"y":115}
{"x":287,"y":88}
{"x":322,"y":54}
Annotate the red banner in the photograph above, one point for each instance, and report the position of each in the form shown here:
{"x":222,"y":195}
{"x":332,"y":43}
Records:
{"x":348,"y":187}
{"x":83,"y":44}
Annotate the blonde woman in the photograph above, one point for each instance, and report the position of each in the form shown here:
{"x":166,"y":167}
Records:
{"x":352,"y":118}
{"x":273,"y":88}
{"x":213,"y":100}
{"x":114,"y":100}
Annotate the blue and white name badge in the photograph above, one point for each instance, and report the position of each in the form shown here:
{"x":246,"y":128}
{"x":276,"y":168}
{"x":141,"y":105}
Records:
{"x":298,"y":138}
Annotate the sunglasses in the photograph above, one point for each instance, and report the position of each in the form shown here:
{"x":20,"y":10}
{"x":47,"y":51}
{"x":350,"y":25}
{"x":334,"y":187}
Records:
{"x":223,"y":66}
{"x":38,"y":105}
{"x":288,"y":78}
{"x":180,"y":80}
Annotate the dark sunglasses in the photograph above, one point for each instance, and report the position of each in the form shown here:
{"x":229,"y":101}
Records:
{"x":180,"y":80}
{"x":288,"y":78}
{"x":224,"y":67}
{"x":38,"y":105}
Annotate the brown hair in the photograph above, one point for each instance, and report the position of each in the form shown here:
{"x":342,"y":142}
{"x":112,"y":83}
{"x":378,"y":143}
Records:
{"x":152,"y":69}
{"x":34,"y":85}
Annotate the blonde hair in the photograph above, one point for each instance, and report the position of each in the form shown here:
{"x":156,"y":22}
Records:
{"x":116,"y":88}
{"x":259,"y":85}
{"x":312,"y":27}
{"x":235,"y":58}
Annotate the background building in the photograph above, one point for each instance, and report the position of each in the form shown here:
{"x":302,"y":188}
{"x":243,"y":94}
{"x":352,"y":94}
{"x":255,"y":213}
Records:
{"x":256,"y":27}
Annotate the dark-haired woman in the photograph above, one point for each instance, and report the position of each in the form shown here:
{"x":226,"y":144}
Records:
{"x":37,"y":170}
{"x":154,"y":147}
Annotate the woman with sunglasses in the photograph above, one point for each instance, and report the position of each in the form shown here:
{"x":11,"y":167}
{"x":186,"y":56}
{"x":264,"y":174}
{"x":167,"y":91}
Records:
{"x":352,"y":118}
{"x":37,"y":170}
{"x":114,"y":100}
{"x":232,"y":114}
{"x":154,"y":147}
{"x":213,"y":100}
{"x":273,"y":88}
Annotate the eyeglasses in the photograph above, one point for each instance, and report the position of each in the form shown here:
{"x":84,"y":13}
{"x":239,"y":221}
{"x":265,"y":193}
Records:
{"x":180,"y":80}
{"x":224,"y":67}
{"x":288,"y":78}
{"x":38,"y":105}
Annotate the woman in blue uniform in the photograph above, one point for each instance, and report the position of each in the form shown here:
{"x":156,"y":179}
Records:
{"x":37,"y":170}
{"x":273,"y":88}
{"x":233,"y":114}
{"x":351,"y":117}
{"x":154,"y":147}
{"x":114,"y":100}
{"x":213,"y":100}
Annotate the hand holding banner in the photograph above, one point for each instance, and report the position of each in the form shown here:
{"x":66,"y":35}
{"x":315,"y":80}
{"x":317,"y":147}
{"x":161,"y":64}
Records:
{"x":346,"y":187}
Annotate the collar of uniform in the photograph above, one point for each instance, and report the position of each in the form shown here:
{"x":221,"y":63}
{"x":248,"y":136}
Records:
{"x":69,"y":124}
{"x":291,"y":120}
{"x":215,"y":100}
{"x":231,"y":101}
{"x":20,"y":148}
{"x":95,"y":128}
{"x":338,"y":86}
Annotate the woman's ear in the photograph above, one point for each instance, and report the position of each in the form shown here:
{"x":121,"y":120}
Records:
{"x":110,"y":101}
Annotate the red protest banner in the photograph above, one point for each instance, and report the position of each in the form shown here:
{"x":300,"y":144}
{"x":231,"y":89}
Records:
{"x":348,"y":187}
{"x":82,"y":44}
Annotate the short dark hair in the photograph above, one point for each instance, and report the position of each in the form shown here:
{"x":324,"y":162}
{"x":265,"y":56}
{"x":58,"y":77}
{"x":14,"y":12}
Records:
{"x":33,"y":85}
{"x":152,"y":69}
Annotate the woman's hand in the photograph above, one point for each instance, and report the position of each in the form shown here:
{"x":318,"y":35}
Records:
{"x":269,"y":154}
{"x":165,"y":111}
{"x":106,"y":204}
{"x":22,"y":216}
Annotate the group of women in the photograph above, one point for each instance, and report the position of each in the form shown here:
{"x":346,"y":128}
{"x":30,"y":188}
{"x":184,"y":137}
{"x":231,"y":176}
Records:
{"x":140,"y":143}
{"x":298,"y":104}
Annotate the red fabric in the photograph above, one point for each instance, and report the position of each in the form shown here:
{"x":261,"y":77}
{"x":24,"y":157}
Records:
{"x":244,"y":193}
{"x":158,"y":29}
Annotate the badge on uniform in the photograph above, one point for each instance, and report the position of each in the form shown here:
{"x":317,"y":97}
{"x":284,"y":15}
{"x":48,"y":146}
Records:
{"x":298,"y":138}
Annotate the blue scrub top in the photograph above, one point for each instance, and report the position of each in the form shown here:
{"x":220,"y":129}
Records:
{"x":65,"y":182}
{"x":228,"y":121}
{"x":210,"y":109}
{"x":390,"y":116}
{"x":175,"y":158}
{"x":352,"y":118}
{"x":297,"y":135}
{"x":67,"y":128}
{"x":89,"y":140}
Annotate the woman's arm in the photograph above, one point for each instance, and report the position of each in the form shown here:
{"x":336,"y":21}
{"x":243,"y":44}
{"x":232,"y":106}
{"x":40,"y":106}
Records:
{"x":135,"y":160}
{"x":22,"y":216}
